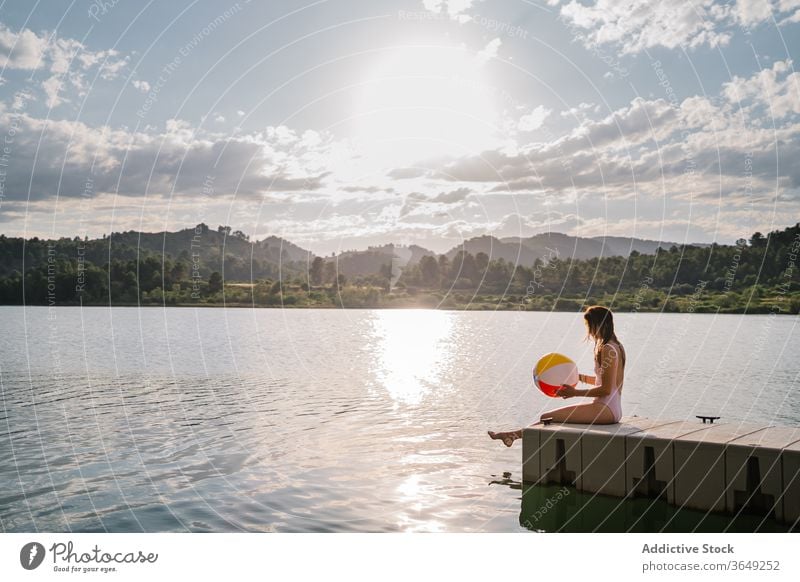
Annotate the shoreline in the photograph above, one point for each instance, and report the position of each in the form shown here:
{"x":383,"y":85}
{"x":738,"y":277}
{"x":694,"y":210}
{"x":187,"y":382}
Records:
{"x":463,"y":308}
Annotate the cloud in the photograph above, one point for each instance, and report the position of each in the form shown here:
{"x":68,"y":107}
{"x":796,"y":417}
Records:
{"x":70,"y":159}
{"x":406,"y":173}
{"x":455,"y":9}
{"x":718,"y":154}
{"x":640,"y":120}
{"x":578,"y":151}
{"x":67,"y":60}
{"x":534,"y":119}
{"x":776,"y":88}
{"x":23,"y":50}
{"x":700,"y":149}
{"x":366,"y":189}
{"x":142,"y":86}
{"x":790,"y":7}
{"x":581,"y":112}
{"x":636,"y":25}
{"x":417,"y":203}
{"x":453,"y":196}
{"x":51,"y":87}
{"x":751,"y":12}
{"x":489,"y":52}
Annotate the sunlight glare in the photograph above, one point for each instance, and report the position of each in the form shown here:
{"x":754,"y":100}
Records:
{"x":422,"y":102}
{"x":413,"y":347}
{"x":413,"y":494}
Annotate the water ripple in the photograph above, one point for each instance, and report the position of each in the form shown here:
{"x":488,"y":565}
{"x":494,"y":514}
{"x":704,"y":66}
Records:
{"x":317,"y":420}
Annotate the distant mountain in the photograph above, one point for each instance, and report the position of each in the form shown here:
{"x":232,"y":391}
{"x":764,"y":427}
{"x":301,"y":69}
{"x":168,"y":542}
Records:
{"x":370,"y":261}
{"x":211,"y":242}
{"x":512,"y":250}
{"x":622,"y":246}
{"x":521,"y":251}
{"x":524,"y":251}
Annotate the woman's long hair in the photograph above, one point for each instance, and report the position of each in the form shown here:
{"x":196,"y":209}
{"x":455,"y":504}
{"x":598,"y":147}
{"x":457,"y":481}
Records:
{"x":600,"y":327}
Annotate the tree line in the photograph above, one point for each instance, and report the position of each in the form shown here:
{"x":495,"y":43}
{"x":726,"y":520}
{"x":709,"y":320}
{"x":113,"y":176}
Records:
{"x":750,"y":275}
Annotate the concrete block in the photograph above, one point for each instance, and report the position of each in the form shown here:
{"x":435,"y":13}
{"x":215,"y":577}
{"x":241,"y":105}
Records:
{"x":699,"y":458}
{"x":580,"y":455}
{"x":560,"y":453}
{"x":753,"y":472}
{"x":790,"y":460}
{"x":531,"y":457}
{"x":603,"y":455}
{"x":729,"y":467}
{"x":649,"y":467}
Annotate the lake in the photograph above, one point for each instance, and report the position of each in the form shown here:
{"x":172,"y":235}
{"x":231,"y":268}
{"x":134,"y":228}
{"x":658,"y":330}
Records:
{"x":213,"y":419}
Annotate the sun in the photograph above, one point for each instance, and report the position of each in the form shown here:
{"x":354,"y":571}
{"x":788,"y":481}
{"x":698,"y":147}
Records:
{"x":421,"y":102}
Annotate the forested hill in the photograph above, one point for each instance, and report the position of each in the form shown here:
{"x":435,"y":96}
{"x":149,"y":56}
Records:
{"x":212,"y":266}
{"x":137,"y":262}
{"x":200,"y":246}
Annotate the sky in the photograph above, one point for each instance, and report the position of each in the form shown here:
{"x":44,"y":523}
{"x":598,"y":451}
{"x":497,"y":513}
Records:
{"x":341,"y":124}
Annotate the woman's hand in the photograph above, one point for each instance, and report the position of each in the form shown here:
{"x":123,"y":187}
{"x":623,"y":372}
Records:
{"x":566,"y":391}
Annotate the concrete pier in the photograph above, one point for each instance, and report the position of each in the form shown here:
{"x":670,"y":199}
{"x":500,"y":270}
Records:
{"x":725,"y":467}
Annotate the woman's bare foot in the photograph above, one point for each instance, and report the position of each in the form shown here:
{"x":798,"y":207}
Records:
{"x":508,"y":438}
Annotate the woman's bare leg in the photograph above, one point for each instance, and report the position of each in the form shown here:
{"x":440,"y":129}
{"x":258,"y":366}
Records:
{"x":588,"y":413}
{"x":508,"y":437}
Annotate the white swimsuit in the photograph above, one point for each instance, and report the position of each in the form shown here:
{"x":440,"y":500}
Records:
{"x":612,"y":400}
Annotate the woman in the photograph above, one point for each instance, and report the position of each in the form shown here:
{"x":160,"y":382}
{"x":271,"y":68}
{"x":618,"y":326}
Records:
{"x":606,"y":391}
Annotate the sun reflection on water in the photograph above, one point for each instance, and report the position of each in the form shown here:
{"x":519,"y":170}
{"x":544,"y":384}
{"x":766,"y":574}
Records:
{"x":414,"y":517}
{"x":412,"y":349}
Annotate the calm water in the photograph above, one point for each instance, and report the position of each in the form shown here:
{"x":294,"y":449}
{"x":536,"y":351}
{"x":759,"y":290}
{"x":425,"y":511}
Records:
{"x":148,"y":419}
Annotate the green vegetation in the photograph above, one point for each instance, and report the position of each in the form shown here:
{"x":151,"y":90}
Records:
{"x":759,"y":275}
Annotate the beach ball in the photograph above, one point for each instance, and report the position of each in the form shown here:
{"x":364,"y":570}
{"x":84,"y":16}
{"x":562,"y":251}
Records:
{"x":553,"y":370}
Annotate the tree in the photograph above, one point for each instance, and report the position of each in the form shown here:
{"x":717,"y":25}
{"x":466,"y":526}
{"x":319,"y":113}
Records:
{"x":429,"y":268}
{"x":498,"y":272}
{"x":315,"y":273}
{"x":444,"y":268}
{"x":464,"y":267}
{"x":329,"y":272}
{"x":386,"y":276}
{"x":481,"y":262}
{"x":215,"y":282}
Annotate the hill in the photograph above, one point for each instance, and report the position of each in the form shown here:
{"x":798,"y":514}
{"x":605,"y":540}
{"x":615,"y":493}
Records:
{"x":370,"y":261}
{"x":546,"y":246}
{"x":199,"y":249}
